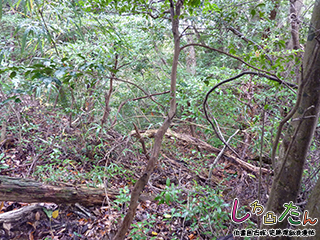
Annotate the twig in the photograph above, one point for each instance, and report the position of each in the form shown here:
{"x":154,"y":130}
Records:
{"x":248,"y":40}
{"x":36,"y":158}
{"x":17,"y":115}
{"x":137,"y":86}
{"x":108,"y":94}
{"x":141,"y":141}
{"x":220,"y":154}
{"x":19,"y":121}
{"x":46,"y":27}
{"x":135,"y":99}
{"x":85,"y":210}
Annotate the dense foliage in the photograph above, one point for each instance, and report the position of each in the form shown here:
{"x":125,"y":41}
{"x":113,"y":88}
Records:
{"x":82,"y":61}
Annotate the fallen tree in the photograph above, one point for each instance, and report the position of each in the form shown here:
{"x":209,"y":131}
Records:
{"x":31,"y":191}
{"x":203,"y":145}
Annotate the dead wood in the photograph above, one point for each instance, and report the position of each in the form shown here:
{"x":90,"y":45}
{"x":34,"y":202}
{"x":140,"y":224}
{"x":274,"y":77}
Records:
{"x":203,"y":145}
{"x":17,"y":214}
{"x":30,"y":191}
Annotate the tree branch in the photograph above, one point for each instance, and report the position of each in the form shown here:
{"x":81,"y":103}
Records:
{"x":226,"y":81}
{"x":247,"y":40}
{"x":230,"y":55}
{"x":135,"y":99}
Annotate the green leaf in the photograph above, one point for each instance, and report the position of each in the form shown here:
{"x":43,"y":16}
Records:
{"x":110,"y":69}
{"x":13,"y":74}
{"x":261,"y":14}
{"x":232,"y":51}
{"x":261,"y":5}
{"x":168,"y":198}
{"x":251,"y":175}
{"x":48,"y":212}
{"x":24,"y":39}
{"x":253,"y":12}
{"x":194,"y":3}
{"x":17,"y":100}
{"x":168,"y":182}
{"x":13,"y":98}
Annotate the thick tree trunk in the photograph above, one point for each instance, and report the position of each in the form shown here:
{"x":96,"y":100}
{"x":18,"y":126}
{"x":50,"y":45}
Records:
{"x":299,"y":133}
{"x":313,"y":205}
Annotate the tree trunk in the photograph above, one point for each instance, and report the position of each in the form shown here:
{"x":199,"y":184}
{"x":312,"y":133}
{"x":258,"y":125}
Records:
{"x":313,"y":207}
{"x":108,"y":94}
{"x":191,"y":60}
{"x":294,"y":148}
{"x":294,"y":43}
{"x":143,"y":180}
{"x":295,"y":8}
{"x":312,"y":53}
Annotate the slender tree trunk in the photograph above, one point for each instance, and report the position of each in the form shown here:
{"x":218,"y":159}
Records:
{"x":191,"y":60}
{"x":294,"y":43}
{"x":143,"y":180}
{"x":299,"y":133}
{"x":71,"y":107}
{"x":272,"y":17}
{"x":295,"y":8}
{"x":108,"y":95}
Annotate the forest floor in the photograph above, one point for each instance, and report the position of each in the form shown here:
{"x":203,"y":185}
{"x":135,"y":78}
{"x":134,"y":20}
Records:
{"x":71,"y":156}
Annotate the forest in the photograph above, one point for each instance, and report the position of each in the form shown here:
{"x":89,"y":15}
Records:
{"x":159,"y":119}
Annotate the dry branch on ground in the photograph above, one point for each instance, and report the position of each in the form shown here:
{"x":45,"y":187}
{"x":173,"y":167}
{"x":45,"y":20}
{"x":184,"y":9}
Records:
{"x":203,"y":145}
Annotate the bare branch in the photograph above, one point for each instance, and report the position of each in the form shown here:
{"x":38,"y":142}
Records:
{"x":226,"y":81}
{"x":137,"y":86}
{"x":220,"y":154}
{"x":135,"y":99}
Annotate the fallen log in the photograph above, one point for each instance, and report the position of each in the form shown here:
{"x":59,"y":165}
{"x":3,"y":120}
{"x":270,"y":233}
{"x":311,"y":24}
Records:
{"x":31,"y":191}
{"x":203,"y":145}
